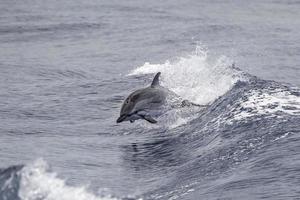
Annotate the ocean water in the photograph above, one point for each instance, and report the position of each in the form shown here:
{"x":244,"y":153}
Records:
{"x":66,"y":67}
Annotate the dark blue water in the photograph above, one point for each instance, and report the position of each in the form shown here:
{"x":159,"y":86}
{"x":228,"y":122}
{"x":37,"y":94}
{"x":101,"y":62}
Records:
{"x":66,"y":68}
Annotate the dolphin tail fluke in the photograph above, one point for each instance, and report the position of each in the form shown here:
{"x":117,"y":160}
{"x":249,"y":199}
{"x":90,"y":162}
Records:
{"x":150,"y":119}
{"x":155,"y":81}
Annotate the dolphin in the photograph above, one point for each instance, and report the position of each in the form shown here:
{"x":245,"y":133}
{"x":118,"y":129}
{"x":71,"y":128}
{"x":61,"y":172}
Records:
{"x":145,"y":103}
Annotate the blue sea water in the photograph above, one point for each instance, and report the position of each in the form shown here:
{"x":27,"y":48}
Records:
{"x":66,"y":67}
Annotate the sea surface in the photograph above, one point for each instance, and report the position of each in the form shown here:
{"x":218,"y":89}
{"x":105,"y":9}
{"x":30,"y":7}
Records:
{"x":66,"y":67}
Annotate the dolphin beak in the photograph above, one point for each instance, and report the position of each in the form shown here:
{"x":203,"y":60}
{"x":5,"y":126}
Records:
{"x":121,"y":118}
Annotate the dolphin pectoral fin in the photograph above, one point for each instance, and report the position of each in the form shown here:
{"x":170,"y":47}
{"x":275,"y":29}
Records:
{"x":149,"y":119}
{"x":155,"y":81}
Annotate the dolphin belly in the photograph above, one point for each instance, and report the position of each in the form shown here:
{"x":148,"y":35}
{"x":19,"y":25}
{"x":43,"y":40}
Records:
{"x":133,"y":117}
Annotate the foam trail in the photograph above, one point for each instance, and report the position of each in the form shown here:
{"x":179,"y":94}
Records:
{"x":193,"y":77}
{"x":38,"y":183}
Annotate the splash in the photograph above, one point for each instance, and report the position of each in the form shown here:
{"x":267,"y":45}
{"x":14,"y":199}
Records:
{"x":195,"y":77}
{"x":38,"y":183}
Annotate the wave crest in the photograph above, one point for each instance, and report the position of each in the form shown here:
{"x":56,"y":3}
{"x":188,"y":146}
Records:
{"x":196,"y":77}
{"x":38,"y":183}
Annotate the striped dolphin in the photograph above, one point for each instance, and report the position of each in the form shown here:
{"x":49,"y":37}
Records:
{"x":144,"y":103}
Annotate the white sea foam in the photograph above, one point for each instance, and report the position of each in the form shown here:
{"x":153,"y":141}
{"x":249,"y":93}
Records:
{"x":195,"y":77}
{"x":260,"y":103}
{"x":38,"y":183}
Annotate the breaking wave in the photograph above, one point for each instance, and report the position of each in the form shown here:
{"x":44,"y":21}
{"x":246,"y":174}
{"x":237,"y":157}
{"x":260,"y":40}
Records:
{"x":36,"y":181}
{"x":196,"y":77}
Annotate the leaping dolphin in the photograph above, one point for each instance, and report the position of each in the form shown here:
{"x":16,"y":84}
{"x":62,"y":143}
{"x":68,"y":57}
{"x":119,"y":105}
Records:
{"x":144,"y":103}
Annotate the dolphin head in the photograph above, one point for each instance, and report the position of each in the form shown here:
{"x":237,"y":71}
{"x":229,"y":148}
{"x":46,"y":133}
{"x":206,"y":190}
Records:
{"x":126,"y":110}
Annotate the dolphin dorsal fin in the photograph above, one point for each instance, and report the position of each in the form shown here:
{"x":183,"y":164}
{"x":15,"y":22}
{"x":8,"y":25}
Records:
{"x":155,"y":81}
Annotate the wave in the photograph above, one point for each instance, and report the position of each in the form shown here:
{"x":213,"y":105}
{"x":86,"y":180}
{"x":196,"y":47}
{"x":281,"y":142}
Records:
{"x":247,"y":121}
{"x":35,"y":181}
{"x":244,"y":131}
{"x":202,"y":79}
{"x":197,"y":77}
